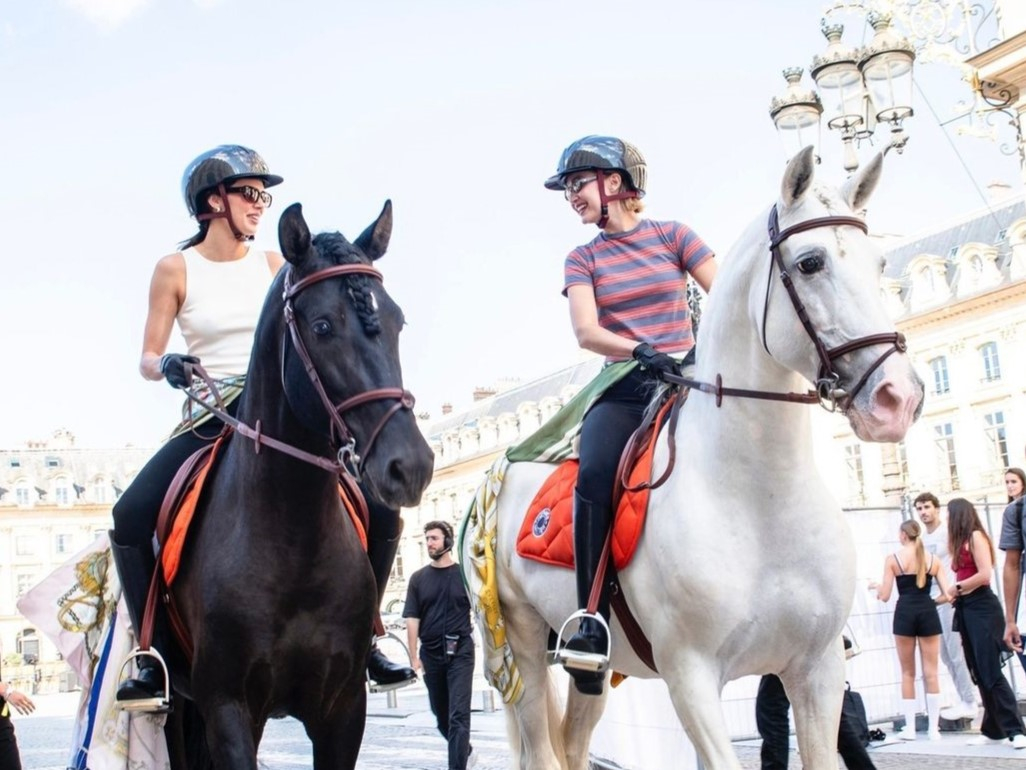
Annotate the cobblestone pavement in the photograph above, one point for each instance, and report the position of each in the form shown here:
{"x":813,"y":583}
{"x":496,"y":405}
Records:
{"x":404,"y":737}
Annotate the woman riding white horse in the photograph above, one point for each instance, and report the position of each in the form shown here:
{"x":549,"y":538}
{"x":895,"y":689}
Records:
{"x":746,"y":565}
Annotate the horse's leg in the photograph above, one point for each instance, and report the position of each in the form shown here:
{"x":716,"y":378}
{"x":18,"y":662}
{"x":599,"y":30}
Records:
{"x":540,"y":738}
{"x":230,"y":735}
{"x":695,"y":692}
{"x":582,"y":714}
{"x":816,"y":693}
{"x":336,"y":739}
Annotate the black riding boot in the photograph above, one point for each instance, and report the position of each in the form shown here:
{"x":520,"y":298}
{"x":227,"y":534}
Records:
{"x":591,"y":526}
{"x":383,"y":672}
{"x":135,"y":569}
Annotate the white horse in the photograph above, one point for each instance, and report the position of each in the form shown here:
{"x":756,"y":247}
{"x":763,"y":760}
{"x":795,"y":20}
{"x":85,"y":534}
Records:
{"x":746,"y":565}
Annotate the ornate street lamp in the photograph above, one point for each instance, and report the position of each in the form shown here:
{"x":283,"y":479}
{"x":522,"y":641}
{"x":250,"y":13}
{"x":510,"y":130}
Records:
{"x":837,"y":76}
{"x":886,"y":67}
{"x":796,"y":114}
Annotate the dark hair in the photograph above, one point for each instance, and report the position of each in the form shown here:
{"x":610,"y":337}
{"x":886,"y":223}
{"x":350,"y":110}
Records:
{"x":203,"y":207}
{"x":962,"y":522}
{"x":1022,"y":477}
{"x":927,"y":497}
{"x":444,"y":526}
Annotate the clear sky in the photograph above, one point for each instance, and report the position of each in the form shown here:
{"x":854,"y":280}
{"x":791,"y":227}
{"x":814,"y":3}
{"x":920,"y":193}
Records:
{"x":454,"y":109}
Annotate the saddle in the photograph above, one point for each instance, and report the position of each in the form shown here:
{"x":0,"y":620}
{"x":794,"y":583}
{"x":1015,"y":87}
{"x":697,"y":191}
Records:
{"x":546,"y":534}
{"x":178,"y":513}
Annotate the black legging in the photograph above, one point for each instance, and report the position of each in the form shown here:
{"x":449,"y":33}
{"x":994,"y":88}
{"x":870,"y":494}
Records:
{"x":605,"y":431}
{"x":136,"y":511}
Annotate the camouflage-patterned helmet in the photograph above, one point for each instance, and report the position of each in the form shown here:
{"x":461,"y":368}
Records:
{"x":602,"y":152}
{"x":219,"y":165}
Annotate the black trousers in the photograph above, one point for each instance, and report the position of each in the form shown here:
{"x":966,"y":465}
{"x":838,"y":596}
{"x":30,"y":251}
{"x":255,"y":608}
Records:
{"x":980,"y":620}
{"x":450,"y":680}
{"x":771,"y":705}
{"x":605,"y":431}
{"x":10,"y":759}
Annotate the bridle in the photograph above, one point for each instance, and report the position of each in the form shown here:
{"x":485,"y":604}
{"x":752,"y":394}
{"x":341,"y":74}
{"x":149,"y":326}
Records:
{"x":828,"y":392}
{"x":341,"y":436}
{"x":347,"y":462}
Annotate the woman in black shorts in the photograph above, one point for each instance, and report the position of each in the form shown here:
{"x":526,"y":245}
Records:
{"x":915,"y":622}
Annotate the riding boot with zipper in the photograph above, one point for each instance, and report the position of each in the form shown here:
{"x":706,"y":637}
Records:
{"x":382,"y":671}
{"x":591,"y":526}
{"x":135,"y":566}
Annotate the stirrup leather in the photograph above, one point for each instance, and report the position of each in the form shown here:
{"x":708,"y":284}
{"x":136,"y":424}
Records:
{"x":579,"y":659}
{"x":157,"y":705}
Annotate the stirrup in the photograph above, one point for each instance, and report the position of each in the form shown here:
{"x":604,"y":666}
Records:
{"x":579,"y":659}
{"x":376,"y":687}
{"x":156,"y":705}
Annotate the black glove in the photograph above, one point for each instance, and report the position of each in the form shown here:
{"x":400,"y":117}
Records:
{"x":172,"y":366}
{"x":657,"y":365}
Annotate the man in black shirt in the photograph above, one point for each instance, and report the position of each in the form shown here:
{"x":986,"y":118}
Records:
{"x":437,"y":612}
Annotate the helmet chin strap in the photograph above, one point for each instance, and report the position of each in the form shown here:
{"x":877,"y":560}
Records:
{"x":604,"y":199}
{"x":226,"y":214}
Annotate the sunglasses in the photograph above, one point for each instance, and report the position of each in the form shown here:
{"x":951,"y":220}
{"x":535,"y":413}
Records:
{"x":252,"y":194}
{"x":574,"y":187}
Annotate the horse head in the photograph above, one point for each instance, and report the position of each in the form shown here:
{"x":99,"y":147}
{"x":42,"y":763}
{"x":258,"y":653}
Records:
{"x":822,"y":313}
{"x":340,"y":365}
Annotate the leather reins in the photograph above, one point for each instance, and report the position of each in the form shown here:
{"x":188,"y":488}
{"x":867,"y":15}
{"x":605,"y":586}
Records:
{"x":347,"y":463}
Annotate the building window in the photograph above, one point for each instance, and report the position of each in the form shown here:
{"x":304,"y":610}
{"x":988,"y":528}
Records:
{"x":991,"y":362}
{"x":398,"y":570}
{"x":53,"y":462}
{"x":63,"y":543}
{"x":997,"y":438}
{"x":14,"y":462}
{"x":61,"y":492}
{"x":939,"y":368}
{"x":902,"y":454}
{"x":23,"y":582}
{"x":101,"y":491}
{"x":856,"y":479}
{"x":25,"y":545}
{"x":944,"y":440}
{"x":23,"y":494}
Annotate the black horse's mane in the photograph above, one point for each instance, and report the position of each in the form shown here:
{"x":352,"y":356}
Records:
{"x":335,"y":248}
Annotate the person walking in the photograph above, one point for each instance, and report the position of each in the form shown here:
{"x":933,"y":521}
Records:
{"x":979,"y":619}
{"x":916,"y":623}
{"x":438,"y":632}
{"x":1012,"y":541}
{"x":935,"y":541}
{"x":627,"y":295}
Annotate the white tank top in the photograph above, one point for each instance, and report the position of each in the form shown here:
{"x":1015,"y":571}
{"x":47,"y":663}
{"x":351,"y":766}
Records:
{"x":222,"y":305}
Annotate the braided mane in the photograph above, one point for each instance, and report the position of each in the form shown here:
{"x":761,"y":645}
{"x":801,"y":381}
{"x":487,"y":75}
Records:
{"x":335,"y":248}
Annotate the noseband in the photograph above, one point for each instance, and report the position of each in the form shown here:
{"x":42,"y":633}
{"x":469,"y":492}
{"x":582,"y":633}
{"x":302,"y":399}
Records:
{"x":341,"y":436}
{"x":828,"y":389}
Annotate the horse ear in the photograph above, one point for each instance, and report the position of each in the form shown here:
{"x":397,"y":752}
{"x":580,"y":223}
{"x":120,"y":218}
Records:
{"x":293,"y":234}
{"x":798,"y":176}
{"x":858,"y":188}
{"x":374,"y":240}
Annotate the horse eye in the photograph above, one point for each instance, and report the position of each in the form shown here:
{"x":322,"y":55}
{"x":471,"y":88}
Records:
{"x":809,"y":265}
{"x":321,"y":327}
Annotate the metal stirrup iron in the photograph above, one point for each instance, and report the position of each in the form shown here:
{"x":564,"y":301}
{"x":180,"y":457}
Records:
{"x":580,"y":660}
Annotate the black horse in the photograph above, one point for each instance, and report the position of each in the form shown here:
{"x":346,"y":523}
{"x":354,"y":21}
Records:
{"x":276,"y":590}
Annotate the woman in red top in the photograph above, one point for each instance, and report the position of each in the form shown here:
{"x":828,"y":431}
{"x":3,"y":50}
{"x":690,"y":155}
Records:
{"x":980,"y":620}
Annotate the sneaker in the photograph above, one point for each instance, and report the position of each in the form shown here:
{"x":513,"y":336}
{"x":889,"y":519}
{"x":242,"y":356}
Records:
{"x":934,"y":735}
{"x":1019,"y":741}
{"x":907,"y":733}
{"x":983,"y":740}
{"x":472,"y":757}
{"x":959,"y":711}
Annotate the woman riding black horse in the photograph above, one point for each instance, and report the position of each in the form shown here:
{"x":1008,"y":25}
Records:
{"x":214,"y":288}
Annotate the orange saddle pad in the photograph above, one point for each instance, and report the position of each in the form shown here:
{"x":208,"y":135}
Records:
{"x":546,"y":534}
{"x":173,"y":549}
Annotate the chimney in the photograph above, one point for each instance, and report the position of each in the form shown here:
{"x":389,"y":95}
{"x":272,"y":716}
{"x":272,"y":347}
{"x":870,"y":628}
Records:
{"x":446,"y":409}
{"x":482,"y":393}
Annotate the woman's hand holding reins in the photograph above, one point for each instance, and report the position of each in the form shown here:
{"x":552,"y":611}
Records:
{"x":657,"y":365}
{"x":172,"y":366}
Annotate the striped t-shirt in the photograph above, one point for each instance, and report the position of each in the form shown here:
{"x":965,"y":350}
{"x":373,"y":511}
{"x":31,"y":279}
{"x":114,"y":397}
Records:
{"x":639,"y":281}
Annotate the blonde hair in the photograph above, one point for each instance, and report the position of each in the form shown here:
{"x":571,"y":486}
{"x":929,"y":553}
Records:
{"x":911,"y":529}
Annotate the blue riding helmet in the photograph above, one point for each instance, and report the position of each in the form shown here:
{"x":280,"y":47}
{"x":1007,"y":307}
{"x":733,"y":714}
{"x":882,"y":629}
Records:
{"x":602,"y":152}
{"x":220,"y":165}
